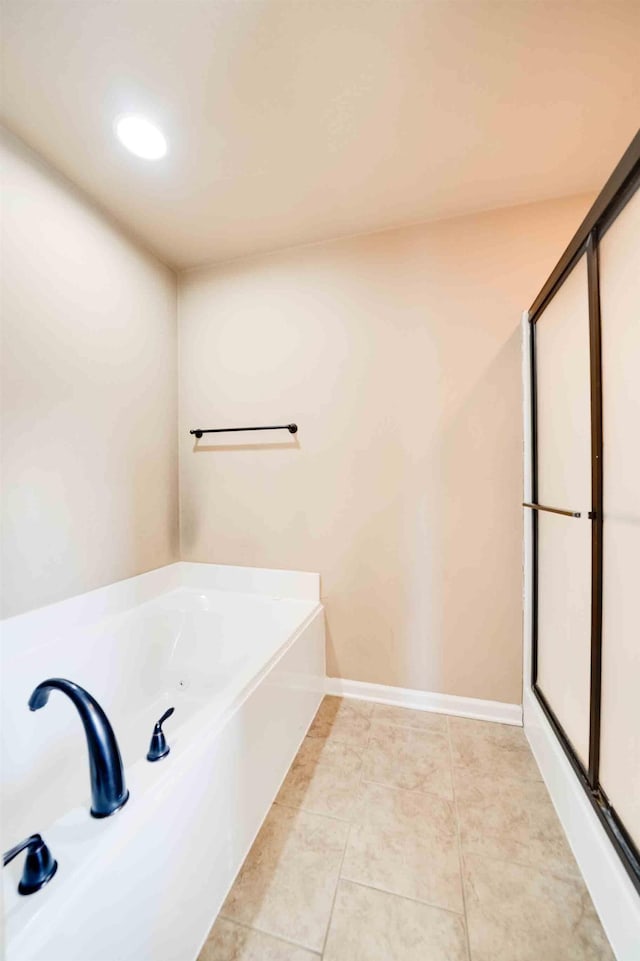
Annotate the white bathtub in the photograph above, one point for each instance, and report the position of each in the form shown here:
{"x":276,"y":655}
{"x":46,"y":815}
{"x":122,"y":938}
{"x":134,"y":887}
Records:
{"x":239,"y":653}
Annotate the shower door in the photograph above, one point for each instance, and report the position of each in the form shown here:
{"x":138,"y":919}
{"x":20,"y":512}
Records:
{"x":563,"y":517}
{"x":585,"y":506}
{"x":619,"y":775}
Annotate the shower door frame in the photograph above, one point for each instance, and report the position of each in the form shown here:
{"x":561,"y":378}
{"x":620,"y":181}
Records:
{"x":618,"y":190}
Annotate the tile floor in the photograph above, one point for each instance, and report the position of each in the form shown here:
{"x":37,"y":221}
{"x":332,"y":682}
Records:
{"x":400,"y":835}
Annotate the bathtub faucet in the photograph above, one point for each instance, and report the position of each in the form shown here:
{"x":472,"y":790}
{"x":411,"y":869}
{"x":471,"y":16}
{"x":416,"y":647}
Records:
{"x":108,"y":789}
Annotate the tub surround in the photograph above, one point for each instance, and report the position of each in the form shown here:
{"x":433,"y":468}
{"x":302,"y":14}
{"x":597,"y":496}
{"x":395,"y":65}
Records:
{"x":26,"y":631}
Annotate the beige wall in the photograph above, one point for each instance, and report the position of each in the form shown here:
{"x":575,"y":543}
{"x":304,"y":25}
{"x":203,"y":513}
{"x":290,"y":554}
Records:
{"x":398,"y":354}
{"x":89,"y":472}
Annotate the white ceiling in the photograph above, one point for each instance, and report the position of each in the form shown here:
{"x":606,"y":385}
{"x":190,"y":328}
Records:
{"x":292,"y":121}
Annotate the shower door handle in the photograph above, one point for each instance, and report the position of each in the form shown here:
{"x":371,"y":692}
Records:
{"x":554,"y":510}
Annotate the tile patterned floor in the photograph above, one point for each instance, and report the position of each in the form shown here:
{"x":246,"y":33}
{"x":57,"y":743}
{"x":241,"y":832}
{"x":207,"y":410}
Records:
{"x":400,"y":835}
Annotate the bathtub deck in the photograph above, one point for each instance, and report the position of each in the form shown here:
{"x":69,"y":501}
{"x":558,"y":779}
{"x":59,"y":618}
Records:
{"x":400,"y":835}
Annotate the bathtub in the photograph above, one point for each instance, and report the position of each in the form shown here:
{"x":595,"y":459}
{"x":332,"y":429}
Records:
{"x":239,"y":653}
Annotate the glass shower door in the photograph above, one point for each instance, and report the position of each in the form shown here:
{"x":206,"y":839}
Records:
{"x":563,"y":420}
{"x":585,"y":490}
{"x":620,"y":706}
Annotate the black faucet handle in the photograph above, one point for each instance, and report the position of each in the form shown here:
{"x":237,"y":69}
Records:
{"x":164,"y":717}
{"x":159,"y":747}
{"x":39,"y":865}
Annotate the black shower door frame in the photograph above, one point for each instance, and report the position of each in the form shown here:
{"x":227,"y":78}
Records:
{"x":618,"y":190}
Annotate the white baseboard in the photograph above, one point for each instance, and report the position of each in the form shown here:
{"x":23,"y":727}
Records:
{"x":610,"y":887}
{"x":426,"y":701}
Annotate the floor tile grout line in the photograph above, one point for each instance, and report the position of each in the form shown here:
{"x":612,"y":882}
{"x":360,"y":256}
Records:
{"x":270,"y":934}
{"x":335,"y":892}
{"x":382,"y":722}
{"x":459,"y":840}
{"x":319,"y":814}
{"x":344,"y":852}
{"x":547,"y":872}
{"x":408,"y":729}
{"x":408,"y":790}
{"x":333,"y":739}
{"x":405,"y":897}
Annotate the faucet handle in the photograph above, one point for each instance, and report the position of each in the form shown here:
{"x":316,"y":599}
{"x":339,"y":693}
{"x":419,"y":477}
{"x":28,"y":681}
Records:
{"x":39,"y":865}
{"x":159,"y":747}
{"x":166,"y":715}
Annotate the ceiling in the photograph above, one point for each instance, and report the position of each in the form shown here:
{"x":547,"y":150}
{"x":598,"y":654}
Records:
{"x":293,"y":121}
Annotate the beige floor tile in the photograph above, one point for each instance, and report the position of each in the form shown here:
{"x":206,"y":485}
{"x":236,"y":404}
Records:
{"x":370,"y":925}
{"x":514,"y":820}
{"x":344,"y":720}
{"x":231,"y":942}
{"x":406,"y":843}
{"x":505,"y":734}
{"x":287,"y":883}
{"x":324,"y":778}
{"x":405,"y":758}
{"x":407,"y":717}
{"x":517,"y":913}
{"x":484,"y":749}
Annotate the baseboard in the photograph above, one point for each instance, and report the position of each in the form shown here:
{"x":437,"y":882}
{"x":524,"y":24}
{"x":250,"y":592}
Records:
{"x":426,"y":701}
{"x":610,"y":887}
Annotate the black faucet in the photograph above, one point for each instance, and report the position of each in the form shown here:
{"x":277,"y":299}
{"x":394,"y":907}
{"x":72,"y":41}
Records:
{"x":108,"y":789}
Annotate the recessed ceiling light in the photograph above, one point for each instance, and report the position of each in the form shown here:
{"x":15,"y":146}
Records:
{"x":141,"y":137}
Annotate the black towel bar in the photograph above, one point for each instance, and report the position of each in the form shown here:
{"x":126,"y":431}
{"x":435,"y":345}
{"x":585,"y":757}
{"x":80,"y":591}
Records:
{"x":199,"y":431}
